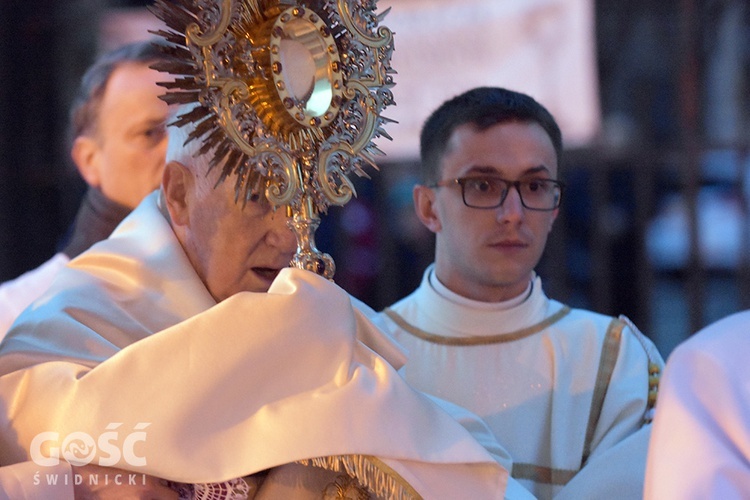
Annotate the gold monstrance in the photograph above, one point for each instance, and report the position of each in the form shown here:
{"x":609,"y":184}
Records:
{"x":288,"y":95}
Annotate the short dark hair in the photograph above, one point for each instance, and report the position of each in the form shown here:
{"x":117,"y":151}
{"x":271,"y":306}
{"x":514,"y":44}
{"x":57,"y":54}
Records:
{"x":482,"y":107}
{"x":84,"y":112}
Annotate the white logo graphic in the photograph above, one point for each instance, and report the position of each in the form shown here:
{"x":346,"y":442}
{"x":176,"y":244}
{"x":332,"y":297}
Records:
{"x":80,"y":448}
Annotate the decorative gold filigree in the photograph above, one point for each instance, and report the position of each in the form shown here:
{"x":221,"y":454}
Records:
{"x":345,"y":488}
{"x":288,"y":96}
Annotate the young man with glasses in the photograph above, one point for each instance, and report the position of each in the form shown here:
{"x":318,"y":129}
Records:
{"x":568,"y":392}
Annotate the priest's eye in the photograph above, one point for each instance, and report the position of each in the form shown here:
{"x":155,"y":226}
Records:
{"x":481,"y":185}
{"x":254,"y":197}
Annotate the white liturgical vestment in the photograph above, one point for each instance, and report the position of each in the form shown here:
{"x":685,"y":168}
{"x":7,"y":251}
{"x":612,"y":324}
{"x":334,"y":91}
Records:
{"x":128,"y":338}
{"x":565,"y":391}
{"x":700,"y":447}
{"x":18,"y":293}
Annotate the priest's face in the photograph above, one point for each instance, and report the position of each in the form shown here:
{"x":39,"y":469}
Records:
{"x":232,"y":247}
{"x":489,"y":254}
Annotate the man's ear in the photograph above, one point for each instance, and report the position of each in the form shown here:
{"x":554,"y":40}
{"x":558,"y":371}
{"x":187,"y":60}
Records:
{"x":424,"y":206}
{"x":553,"y":219}
{"x":176,"y":183}
{"x":85,"y":154}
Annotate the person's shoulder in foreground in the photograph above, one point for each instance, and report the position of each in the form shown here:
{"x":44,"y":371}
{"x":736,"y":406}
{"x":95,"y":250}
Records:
{"x":700,"y":447}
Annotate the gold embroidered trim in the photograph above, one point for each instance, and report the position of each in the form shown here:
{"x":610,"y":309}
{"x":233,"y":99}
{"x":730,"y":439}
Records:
{"x":371,"y":472}
{"x":610,"y":351}
{"x":654,"y":377}
{"x":476,"y":340}
{"x":654,"y":370}
{"x":545,"y":475}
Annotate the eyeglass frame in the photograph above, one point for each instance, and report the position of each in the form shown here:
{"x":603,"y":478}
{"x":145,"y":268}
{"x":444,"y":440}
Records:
{"x":461,"y":181}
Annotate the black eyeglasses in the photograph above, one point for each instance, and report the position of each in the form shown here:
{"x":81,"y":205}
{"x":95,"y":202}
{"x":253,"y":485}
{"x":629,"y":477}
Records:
{"x":490,"y":192}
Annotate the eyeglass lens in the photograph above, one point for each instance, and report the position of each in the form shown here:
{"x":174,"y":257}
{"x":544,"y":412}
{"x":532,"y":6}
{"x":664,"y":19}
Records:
{"x":536,"y":194}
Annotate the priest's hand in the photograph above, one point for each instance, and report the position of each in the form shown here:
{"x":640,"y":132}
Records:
{"x":93,"y":482}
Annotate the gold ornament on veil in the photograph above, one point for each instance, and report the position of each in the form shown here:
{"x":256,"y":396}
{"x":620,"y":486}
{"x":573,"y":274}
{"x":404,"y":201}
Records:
{"x":288,"y":94}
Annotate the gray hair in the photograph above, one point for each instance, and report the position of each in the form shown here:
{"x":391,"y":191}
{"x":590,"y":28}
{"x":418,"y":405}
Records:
{"x":178,"y":147}
{"x":187,"y":153}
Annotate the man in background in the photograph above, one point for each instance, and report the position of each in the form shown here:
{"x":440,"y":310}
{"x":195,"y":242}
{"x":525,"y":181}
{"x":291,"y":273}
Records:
{"x":567,"y":392}
{"x":119,"y":143}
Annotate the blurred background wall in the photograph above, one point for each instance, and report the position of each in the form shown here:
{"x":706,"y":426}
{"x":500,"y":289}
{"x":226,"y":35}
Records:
{"x":653,"y":99}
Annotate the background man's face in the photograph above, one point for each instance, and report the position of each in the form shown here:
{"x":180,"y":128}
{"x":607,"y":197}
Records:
{"x":489,"y":254}
{"x":131,"y":138}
